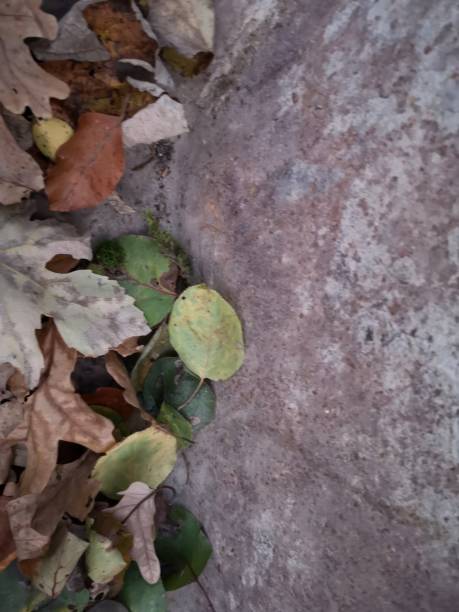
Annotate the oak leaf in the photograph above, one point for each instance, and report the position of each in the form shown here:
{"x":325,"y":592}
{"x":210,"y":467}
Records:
{"x":88,"y":166}
{"x":19,"y":173}
{"x":55,"y":412}
{"x":92,"y":313}
{"x":22,"y":82}
{"x":34,"y":517}
{"x":136,"y":511}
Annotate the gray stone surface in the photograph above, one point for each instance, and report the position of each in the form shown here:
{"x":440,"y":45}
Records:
{"x":317,"y":192}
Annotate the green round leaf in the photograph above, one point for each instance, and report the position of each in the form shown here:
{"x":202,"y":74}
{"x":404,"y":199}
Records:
{"x":169,"y":381}
{"x":184,"y":551}
{"x":138,"y":265}
{"x":139,"y":596}
{"x":147,"y":456}
{"x":157,"y":345}
{"x":206,"y":333}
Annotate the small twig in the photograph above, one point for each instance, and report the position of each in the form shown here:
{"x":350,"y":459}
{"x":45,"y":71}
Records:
{"x":138,"y":504}
{"x":201,"y":586}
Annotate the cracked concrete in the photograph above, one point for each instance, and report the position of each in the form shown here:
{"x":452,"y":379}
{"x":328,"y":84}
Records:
{"x":318,"y":191}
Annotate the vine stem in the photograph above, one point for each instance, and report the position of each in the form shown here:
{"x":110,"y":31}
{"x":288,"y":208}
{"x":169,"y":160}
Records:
{"x":138,"y":504}
{"x":192,"y":396}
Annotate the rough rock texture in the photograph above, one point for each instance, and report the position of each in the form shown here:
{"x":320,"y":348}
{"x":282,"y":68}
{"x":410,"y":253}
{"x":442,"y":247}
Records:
{"x":316,"y":191}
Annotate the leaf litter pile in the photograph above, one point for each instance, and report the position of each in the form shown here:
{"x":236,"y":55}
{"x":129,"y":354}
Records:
{"x":86,"y":519}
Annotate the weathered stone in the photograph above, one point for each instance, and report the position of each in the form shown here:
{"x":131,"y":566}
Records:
{"x":318,"y":191}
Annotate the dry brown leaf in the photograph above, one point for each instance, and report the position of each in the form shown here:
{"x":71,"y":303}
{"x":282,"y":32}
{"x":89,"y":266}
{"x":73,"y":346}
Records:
{"x":115,"y":367}
{"x":35,"y":517}
{"x":136,"y":511}
{"x":62,"y":264}
{"x":7,"y":546}
{"x":129,"y":347}
{"x":120,"y":31}
{"x":19,"y":173}
{"x":88,"y":166}
{"x":94,"y":86}
{"x":55,"y":412}
{"x":22,"y":82}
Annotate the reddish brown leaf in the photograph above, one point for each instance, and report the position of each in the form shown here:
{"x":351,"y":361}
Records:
{"x":110,"y":397}
{"x":88,"y":166}
{"x":55,"y":412}
{"x":7,"y":547}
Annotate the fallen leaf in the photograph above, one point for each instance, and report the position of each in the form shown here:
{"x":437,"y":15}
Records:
{"x":50,"y":134}
{"x":54,"y":569}
{"x":141,"y":75}
{"x":68,"y":601}
{"x":92,"y":313}
{"x":147,"y":456}
{"x":139,"y":595}
{"x":184,"y":550}
{"x":96,"y":86}
{"x":34,"y":517}
{"x":23,"y":82}
{"x":177,"y":424}
{"x":169,"y":381}
{"x":88,"y":166}
{"x":7,"y":545}
{"x":117,"y":370}
{"x":137,"y":263}
{"x":187,"y":25}
{"x":56,"y":412}
{"x":111,"y":398}
{"x":206,"y":333}
{"x":74,"y":39}
{"x":162,"y":119}
{"x":19,"y":173}
{"x":158,"y":345}
{"x":137,"y":511}
{"x":120,"y":31}
{"x":103,"y":560}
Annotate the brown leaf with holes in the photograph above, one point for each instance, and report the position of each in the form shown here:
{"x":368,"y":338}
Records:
{"x":119,"y":30}
{"x":55,"y":412}
{"x":35,"y":517}
{"x":22,"y":82}
{"x":88,"y":166}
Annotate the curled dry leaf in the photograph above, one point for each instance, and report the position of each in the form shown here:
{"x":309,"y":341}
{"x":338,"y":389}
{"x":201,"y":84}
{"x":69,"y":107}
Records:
{"x":92,"y":313}
{"x":117,"y":370}
{"x":187,"y":25}
{"x":137,"y":511}
{"x":19,"y":173}
{"x":34,"y":517}
{"x":88,"y":166}
{"x":23,"y":82}
{"x":56,"y":412}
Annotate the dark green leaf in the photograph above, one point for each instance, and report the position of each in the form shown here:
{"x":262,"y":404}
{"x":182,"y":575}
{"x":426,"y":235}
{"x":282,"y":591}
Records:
{"x":139,"y":596}
{"x":76,"y":602}
{"x":169,"y":381}
{"x":184,"y":553}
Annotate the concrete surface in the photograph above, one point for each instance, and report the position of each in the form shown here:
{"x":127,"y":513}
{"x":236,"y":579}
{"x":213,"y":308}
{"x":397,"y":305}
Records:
{"x":317,"y":192}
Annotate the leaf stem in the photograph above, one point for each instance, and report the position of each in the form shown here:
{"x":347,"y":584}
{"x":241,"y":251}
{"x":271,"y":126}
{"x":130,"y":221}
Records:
{"x":192,"y":396}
